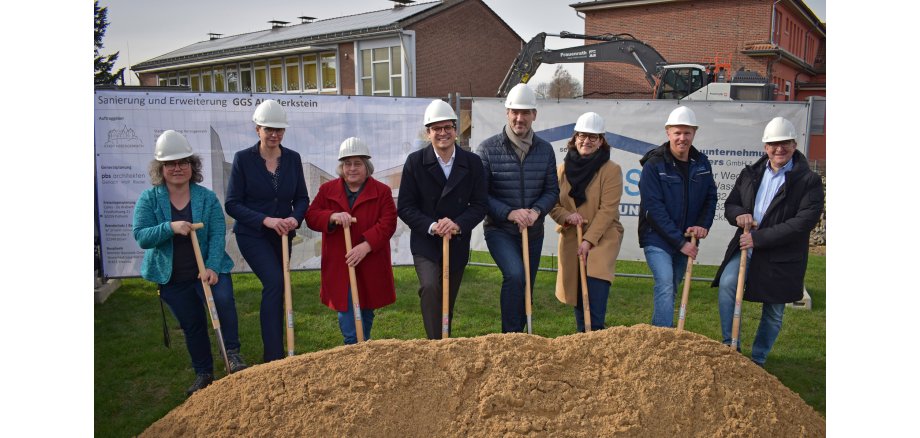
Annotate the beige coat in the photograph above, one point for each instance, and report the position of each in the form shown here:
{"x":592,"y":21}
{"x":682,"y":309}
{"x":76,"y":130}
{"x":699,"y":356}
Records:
{"x":604,"y":231}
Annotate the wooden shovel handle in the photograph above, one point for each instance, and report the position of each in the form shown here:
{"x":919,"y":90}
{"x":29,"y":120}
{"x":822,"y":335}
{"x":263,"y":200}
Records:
{"x":445,"y":286}
{"x":739,"y":295}
{"x":288,"y":299}
{"x":686,"y":295}
{"x":583,"y":271}
{"x":209,"y":297}
{"x":356,"y":305}
{"x":525,"y":249}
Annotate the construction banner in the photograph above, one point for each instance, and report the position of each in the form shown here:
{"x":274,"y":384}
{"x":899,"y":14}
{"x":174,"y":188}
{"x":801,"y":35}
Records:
{"x":128,"y":123}
{"x":730,"y":135}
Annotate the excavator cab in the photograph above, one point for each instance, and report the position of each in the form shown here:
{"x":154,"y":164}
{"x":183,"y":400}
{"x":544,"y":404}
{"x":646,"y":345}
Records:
{"x":677,"y":81}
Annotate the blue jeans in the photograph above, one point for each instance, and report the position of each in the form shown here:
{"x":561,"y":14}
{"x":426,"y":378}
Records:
{"x":264,"y":258}
{"x":771,"y":316}
{"x":598,"y":292}
{"x":506,"y":251}
{"x":347,"y":323}
{"x":187,"y":302}
{"x":668,"y":271}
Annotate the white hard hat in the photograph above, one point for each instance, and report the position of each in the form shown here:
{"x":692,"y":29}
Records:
{"x":172,"y":145}
{"x":779,"y":129}
{"x":353,"y":147}
{"x":521,"y":97}
{"x":437,"y":111}
{"x":591,"y":123}
{"x":270,"y":114}
{"x":681,"y":116}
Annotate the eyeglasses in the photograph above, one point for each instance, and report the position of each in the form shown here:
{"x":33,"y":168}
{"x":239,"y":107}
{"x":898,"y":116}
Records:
{"x":180,"y":164}
{"x":442,"y":129}
{"x":270,"y":131}
{"x":592,"y":137}
{"x":788,"y":144}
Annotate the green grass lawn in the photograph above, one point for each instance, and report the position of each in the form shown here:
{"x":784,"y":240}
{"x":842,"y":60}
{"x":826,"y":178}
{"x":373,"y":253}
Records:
{"x":138,"y":380}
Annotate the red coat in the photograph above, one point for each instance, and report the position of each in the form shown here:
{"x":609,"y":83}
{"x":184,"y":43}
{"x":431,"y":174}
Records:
{"x":376,"y":214}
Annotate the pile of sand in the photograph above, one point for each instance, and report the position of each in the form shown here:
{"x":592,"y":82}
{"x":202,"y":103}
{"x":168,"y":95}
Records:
{"x":623,"y":381}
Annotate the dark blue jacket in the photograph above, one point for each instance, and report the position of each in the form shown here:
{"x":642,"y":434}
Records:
{"x":664,"y":212}
{"x":426,"y":196}
{"x":514,"y":184}
{"x":251,"y":197}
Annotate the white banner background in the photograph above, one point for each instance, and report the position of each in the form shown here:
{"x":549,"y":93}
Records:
{"x":635,"y":126}
{"x":127,"y":124}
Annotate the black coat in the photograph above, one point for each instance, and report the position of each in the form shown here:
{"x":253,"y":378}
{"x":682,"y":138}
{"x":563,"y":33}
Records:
{"x":425,"y":196}
{"x":776,"y":270}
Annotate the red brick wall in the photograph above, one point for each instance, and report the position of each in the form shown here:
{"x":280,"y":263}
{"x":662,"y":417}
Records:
{"x":693,"y":31}
{"x":147,"y":79}
{"x":347,"y":69}
{"x":466,"y":49}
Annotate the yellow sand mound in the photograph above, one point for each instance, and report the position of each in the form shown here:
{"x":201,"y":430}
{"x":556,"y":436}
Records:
{"x":623,"y":381}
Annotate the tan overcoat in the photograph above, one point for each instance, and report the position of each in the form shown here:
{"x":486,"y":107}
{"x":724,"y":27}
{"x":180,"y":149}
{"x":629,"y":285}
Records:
{"x":604,"y":231}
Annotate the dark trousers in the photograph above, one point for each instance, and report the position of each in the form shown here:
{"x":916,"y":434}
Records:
{"x":506,"y":250}
{"x":187,"y":303}
{"x":431,"y":294}
{"x":598,"y":291}
{"x":264,"y":258}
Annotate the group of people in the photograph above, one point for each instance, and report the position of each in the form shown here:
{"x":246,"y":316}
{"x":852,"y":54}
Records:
{"x":511,"y":183}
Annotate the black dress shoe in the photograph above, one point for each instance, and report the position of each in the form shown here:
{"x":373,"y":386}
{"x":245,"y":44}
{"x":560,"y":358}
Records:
{"x":201,"y":381}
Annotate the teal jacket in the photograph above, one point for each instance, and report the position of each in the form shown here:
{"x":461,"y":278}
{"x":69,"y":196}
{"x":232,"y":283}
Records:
{"x":152,"y":216}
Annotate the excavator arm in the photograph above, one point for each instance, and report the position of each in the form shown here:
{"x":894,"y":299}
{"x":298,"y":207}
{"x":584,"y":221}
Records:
{"x":623,"y":48}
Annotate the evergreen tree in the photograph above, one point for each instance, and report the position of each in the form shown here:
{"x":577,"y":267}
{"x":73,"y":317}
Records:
{"x":104,"y":64}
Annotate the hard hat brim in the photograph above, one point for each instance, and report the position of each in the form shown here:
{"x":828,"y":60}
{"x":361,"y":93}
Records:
{"x":519,"y":106}
{"x":273,"y":125}
{"x":174,"y":157}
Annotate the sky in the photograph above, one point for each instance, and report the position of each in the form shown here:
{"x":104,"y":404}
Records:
{"x":141,"y":30}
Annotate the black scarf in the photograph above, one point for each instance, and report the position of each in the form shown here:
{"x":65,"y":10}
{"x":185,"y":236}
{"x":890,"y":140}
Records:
{"x":579,"y":171}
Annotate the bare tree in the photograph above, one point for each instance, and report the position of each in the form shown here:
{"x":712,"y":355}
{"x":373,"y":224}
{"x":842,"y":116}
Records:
{"x":562,"y":86}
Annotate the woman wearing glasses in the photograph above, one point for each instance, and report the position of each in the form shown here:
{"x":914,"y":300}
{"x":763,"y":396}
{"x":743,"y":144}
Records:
{"x":163,"y":220}
{"x":590,"y":186}
{"x":267,"y":196}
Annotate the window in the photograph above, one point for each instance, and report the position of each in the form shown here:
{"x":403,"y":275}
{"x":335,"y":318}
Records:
{"x":310,"y":73}
{"x":260,"y":85}
{"x":219,"y":79}
{"x":193,"y":76}
{"x":246,"y":77}
{"x":276,"y":75}
{"x":232,"y":79}
{"x":292,"y":76}
{"x":328,"y":73}
{"x":206,"y":80}
{"x":381,"y":71}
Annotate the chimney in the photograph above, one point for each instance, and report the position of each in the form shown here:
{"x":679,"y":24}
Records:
{"x":278,"y":24}
{"x":401,"y":3}
{"x":214,"y":36}
{"x":304,"y":19}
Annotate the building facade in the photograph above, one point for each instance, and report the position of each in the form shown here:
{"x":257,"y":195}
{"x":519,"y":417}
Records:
{"x":427,"y":49}
{"x":782,"y":41}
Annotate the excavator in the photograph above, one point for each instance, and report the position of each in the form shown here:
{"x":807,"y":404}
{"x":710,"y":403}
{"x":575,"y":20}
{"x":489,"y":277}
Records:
{"x":670,"y":81}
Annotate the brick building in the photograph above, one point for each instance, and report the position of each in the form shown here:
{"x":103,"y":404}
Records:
{"x":782,"y":41}
{"x":426,"y":49}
